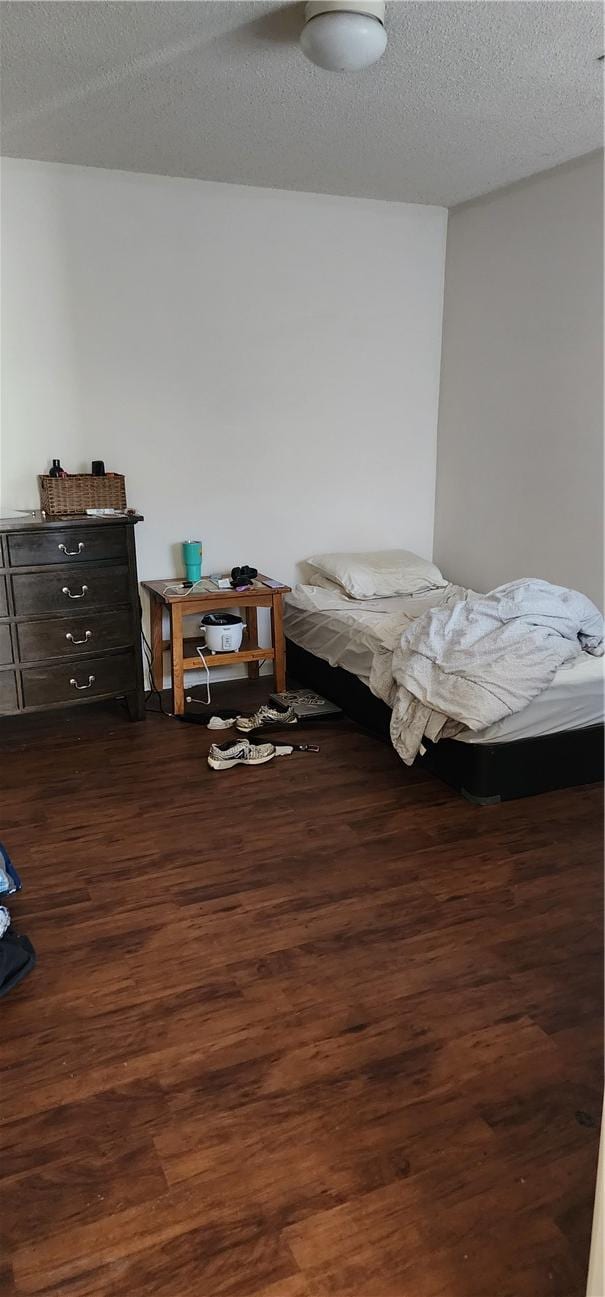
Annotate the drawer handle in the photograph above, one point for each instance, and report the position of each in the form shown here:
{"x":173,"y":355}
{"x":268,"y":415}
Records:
{"x":91,"y":680}
{"x":67,"y":591}
{"x":87,"y":636}
{"x":71,"y":552}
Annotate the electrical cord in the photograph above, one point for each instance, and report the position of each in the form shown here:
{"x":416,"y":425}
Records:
{"x":179,"y":588}
{"x":153,"y":690}
{"x":207,"y":670}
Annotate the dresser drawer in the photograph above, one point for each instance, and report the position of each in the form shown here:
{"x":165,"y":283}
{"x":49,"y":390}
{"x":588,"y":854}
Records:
{"x":92,"y":678}
{"x":8,"y":692}
{"x":73,"y":636}
{"x":74,"y":589}
{"x":6,"y":652}
{"x":69,"y":546}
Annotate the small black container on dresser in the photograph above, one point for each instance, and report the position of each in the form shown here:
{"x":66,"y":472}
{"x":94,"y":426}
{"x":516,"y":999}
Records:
{"x":70,"y":622}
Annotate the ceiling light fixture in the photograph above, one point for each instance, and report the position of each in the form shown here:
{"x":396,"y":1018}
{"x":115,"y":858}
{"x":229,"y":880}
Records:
{"x":344,"y":35}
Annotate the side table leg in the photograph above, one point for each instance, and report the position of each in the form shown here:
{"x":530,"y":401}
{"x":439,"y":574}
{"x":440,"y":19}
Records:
{"x":176,"y":653}
{"x":277,"y":628}
{"x":252,"y":625}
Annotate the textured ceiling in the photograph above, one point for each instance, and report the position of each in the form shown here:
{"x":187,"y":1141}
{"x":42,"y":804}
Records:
{"x":468,"y":97}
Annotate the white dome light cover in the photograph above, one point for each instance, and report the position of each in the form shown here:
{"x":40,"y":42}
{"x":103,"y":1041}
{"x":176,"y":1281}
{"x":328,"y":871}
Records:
{"x":344,"y":35}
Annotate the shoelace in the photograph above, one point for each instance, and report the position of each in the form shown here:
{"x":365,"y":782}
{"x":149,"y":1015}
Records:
{"x":257,"y":718}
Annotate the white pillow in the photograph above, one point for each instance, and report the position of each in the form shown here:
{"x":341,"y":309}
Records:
{"x":380,"y":574}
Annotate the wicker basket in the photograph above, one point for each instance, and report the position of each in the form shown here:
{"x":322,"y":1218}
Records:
{"x":81,"y":491}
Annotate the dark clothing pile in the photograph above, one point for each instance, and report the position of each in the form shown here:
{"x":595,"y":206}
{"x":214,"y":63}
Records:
{"x":17,"y":955}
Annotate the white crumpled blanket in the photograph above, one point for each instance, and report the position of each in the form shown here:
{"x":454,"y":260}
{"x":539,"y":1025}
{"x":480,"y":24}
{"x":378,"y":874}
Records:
{"x":467,"y":664}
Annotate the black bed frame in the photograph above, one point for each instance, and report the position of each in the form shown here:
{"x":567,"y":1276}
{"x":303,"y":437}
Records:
{"x":484,"y":773}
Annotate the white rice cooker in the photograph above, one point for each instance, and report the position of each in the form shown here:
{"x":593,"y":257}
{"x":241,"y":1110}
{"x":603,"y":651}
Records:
{"x":222,"y":632}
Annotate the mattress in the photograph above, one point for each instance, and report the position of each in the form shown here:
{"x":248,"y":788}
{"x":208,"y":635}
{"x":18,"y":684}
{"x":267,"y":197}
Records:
{"x":347,"y":633}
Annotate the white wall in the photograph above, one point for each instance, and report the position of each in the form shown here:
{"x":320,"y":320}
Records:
{"x":263,"y":366}
{"x":596,"y":1269}
{"x":520,"y":452}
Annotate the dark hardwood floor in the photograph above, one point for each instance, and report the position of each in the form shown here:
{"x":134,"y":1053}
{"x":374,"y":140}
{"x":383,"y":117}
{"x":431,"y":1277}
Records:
{"x":315,"y":1028}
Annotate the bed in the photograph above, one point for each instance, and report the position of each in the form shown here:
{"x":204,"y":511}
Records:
{"x":555,"y":741}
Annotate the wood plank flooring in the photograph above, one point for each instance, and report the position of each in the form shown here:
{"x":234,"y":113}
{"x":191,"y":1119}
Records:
{"x":314,"y":1029}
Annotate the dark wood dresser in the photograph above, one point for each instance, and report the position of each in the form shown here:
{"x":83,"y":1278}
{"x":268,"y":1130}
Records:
{"x":70,"y":623}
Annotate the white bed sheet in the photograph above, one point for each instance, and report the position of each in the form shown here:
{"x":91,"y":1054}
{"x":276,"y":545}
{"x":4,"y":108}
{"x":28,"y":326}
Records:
{"x":347,"y":633}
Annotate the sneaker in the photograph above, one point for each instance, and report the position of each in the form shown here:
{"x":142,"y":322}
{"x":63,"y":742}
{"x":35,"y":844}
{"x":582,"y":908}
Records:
{"x":239,"y":752}
{"x":270,"y":715}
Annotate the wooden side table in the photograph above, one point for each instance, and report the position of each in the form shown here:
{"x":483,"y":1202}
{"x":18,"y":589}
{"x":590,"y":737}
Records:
{"x":208,"y":599}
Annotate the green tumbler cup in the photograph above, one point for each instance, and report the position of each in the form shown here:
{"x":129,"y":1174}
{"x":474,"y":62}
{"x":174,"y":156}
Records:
{"x":192,"y":558}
